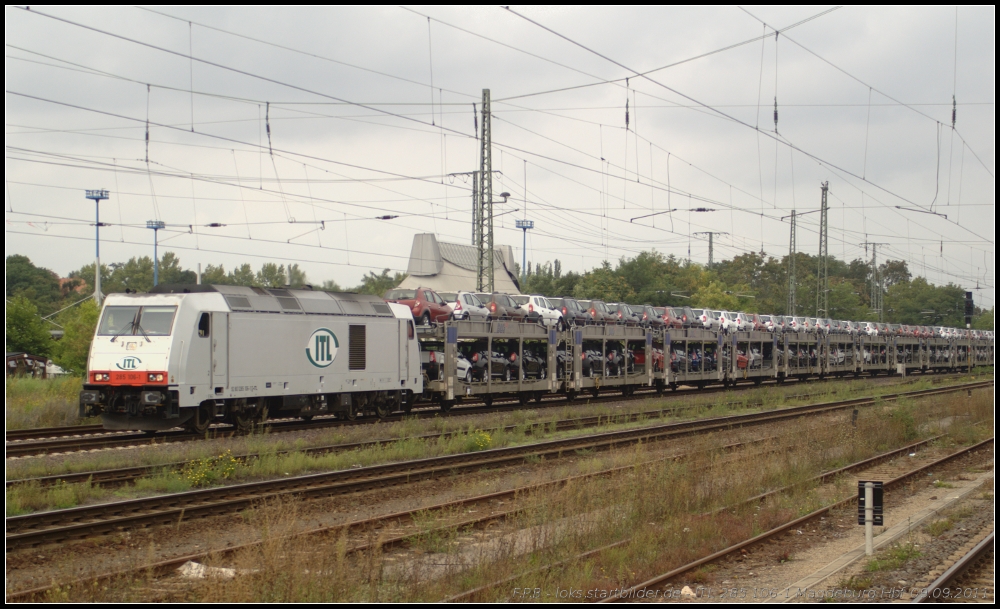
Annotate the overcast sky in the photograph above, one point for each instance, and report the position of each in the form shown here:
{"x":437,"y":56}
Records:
{"x":864,"y":100}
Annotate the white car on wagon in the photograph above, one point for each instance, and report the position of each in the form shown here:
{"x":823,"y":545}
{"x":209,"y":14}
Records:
{"x":551,"y":316}
{"x":465,"y":305}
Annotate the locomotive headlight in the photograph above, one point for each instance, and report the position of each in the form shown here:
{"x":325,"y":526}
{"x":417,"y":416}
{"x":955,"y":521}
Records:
{"x":100,"y":377}
{"x":156,"y":377}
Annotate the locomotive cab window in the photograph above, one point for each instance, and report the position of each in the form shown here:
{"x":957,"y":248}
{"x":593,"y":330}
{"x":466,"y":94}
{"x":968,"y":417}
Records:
{"x":156,"y":321}
{"x":133,"y":320}
{"x":118,"y":320}
{"x":204,"y":324}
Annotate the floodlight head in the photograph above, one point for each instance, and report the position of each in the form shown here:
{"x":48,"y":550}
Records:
{"x":97,"y":195}
{"x":525,"y":224}
{"x":155,"y":224}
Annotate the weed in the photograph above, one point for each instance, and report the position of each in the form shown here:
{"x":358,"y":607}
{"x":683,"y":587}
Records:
{"x":942,"y":484}
{"x":896,"y":557}
{"x":939,"y":527}
{"x":856,"y":582}
{"x":478,"y":440}
{"x":210,"y":470}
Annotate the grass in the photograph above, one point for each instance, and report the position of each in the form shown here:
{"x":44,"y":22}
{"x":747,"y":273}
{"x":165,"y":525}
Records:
{"x":939,"y":527}
{"x":657,"y":508}
{"x":893,"y":558}
{"x":882,"y":428}
{"x":32,"y":402}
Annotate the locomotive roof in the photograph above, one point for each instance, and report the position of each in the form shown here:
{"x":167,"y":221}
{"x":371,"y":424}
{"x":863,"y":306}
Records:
{"x":288,"y":300}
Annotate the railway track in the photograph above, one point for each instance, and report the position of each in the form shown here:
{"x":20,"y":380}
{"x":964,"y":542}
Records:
{"x":122,"y":475}
{"x":26,"y":443}
{"x":969,"y":579}
{"x":897,"y":478}
{"x":396,"y":529}
{"x":87,"y":521}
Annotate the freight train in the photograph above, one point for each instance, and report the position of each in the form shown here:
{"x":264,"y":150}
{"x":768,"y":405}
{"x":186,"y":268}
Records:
{"x":195,"y":355}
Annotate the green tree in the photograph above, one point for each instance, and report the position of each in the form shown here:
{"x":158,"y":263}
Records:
{"x":378,"y":285}
{"x":214,"y":275}
{"x":715,"y":296}
{"x":85,"y":274}
{"x":39,"y":285}
{"x":272,"y":275}
{"x":603,"y":284}
{"x":26,"y":330}
{"x":984,"y":319}
{"x":331,"y":286}
{"x":79,"y":324}
{"x":242,"y":275}
{"x":845,"y":303}
{"x":172,"y":272}
{"x":135,"y":275}
{"x":893,"y":272}
{"x":918,"y":302}
{"x":296,"y":276}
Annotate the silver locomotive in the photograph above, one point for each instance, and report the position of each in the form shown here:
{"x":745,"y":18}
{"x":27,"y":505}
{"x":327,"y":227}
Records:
{"x":197,"y":354}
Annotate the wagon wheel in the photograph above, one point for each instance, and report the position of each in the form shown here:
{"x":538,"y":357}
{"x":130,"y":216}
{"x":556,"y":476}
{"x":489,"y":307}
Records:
{"x":538,"y":396}
{"x":488,"y":400}
{"x":524,"y":398}
{"x":594,"y":391}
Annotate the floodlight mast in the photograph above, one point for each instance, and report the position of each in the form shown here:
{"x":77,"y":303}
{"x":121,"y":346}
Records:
{"x":97,"y":196}
{"x":525,"y":226}
{"x":156,"y":225}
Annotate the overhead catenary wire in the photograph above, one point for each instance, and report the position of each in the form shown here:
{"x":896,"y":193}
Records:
{"x":608,"y":176}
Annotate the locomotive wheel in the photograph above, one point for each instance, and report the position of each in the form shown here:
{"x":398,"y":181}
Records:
{"x":202,"y":418}
{"x":351,"y":415}
{"x":381,"y":409}
{"x":243,"y":421}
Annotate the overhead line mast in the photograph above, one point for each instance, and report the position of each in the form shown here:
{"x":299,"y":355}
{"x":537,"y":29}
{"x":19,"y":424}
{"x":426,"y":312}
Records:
{"x":484,"y":219}
{"x":822,"y":272}
{"x":710,"y":234}
{"x":876,"y":281}
{"x":791,"y":268}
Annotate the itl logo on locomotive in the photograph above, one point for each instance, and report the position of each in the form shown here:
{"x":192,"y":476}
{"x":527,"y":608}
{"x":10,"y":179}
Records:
{"x":321,"y":348}
{"x":128,"y":363}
